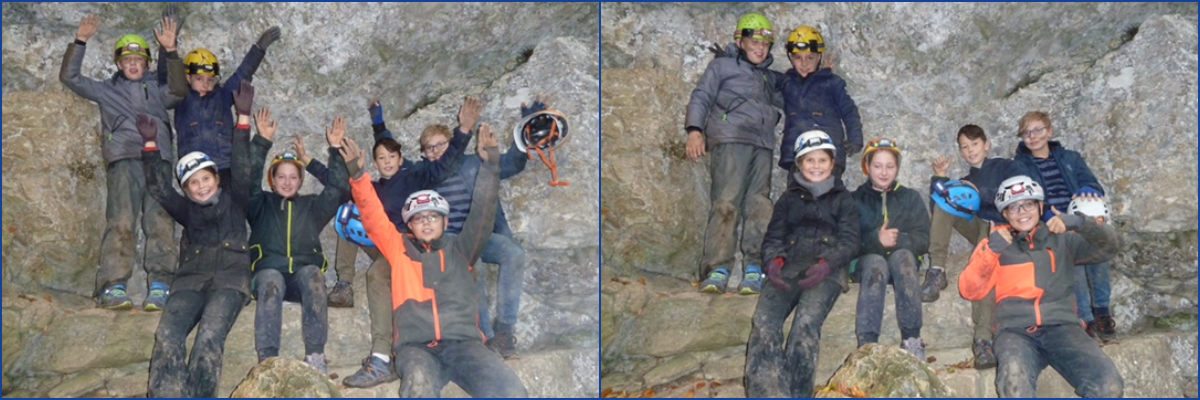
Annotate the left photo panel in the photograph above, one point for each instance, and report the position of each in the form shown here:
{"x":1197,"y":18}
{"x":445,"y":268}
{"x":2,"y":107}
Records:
{"x":356,"y":200}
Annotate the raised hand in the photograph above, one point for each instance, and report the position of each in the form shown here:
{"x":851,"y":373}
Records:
{"x":87,"y":27}
{"x":266,"y":125}
{"x":376,"y":111}
{"x":941,"y":166}
{"x":166,"y":36}
{"x":337,"y":133}
{"x":351,"y":153}
{"x":468,"y":115}
{"x":172,"y":12}
{"x":243,"y":98}
{"x":487,"y":140}
{"x":269,"y":36}
{"x":301,"y":152}
{"x":827,"y":61}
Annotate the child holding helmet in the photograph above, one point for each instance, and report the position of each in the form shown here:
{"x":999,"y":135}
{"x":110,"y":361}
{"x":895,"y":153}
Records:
{"x":978,"y":186}
{"x":436,"y":336}
{"x":1030,"y":267}
{"x":809,"y":243}
{"x":816,"y":98}
{"x":1066,"y":177}
{"x":130,"y":92}
{"x":731,"y":114}
{"x":285,"y":228}
{"x":895,"y":232}
{"x":213,"y":281}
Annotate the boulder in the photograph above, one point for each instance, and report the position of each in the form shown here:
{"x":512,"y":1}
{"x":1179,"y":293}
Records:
{"x":283,"y":377}
{"x":886,"y":371}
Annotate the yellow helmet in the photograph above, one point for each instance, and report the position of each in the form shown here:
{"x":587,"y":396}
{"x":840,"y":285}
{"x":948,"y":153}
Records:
{"x":203,"y":62}
{"x":805,"y":39}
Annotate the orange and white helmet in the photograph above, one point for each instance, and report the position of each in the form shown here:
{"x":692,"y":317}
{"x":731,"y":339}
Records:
{"x":544,"y":129}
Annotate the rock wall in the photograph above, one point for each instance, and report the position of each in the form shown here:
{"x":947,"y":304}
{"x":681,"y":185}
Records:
{"x":1119,"y":81}
{"x":419,"y":59}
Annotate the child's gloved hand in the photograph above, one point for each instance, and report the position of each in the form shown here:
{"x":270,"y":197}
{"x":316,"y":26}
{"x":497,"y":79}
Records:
{"x":816,"y":273}
{"x":376,"y":111}
{"x":243,"y":98}
{"x":775,"y":274}
{"x":147,"y":128}
{"x":852,"y":149}
{"x":269,"y":36}
{"x":539,"y":104}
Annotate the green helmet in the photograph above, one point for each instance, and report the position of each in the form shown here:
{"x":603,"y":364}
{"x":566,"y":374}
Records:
{"x":132,"y":44}
{"x":757,"y":26}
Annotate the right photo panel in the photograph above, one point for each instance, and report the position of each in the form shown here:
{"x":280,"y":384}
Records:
{"x":898,"y":200}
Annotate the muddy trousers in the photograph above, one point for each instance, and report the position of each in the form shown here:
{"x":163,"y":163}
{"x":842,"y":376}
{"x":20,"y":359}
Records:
{"x":214,"y":312}
{"x":379,"y":291}
{"x":1021,"y":356}
{"x":129,"y":200}
{"x":900,"y":268}
{"x":940,"y":228}
{"x":306,"y":286}
{"x":740,"y":192}
{"x":776,"y":370}
{"x":425,"y":370}
{"x":504,"y":251}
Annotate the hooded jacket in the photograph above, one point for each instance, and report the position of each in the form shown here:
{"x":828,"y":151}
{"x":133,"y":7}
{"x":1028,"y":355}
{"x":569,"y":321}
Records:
{"x":1075,"y":171}
{"x":205,"y":123}
{"x":819,"y":102}
{"x":902,"y":208}
{"x":805,"y":229}
{"x":734,"y":101}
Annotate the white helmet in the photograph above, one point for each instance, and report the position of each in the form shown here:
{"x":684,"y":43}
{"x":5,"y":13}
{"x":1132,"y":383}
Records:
{"x":1089,"y":207}
{"x":424,"y":200}
{"x":192,"y":163}
{"x":1018,"y":188}
{"x":811,"y":141}
{"x":544,"y":129}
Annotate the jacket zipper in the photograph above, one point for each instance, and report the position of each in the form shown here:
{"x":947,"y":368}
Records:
{"x":289,"y":236}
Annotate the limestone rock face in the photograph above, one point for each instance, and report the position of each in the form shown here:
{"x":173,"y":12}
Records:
{"x":283,"y":377}
{"x":918,"y":72}
{"x":886,"y":371}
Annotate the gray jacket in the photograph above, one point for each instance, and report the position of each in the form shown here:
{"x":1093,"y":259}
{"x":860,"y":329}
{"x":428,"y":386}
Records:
{"x":121,"y":100}
{"x":734,"y":99}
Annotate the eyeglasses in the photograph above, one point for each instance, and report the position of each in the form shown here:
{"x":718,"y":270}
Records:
{"x":431,"y":218}
{"x":1039,"y":132}
{"x":1024,"y":206}
{"x":765,"y":33}
{"x":211,"y":69}
{"x":435,"y":147}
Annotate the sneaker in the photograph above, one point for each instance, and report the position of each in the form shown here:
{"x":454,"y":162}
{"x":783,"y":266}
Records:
{"x":752,"y":281}
{"x":935,"y":282}
{"x":157,"y":299}
{"x":1106,"y":328}
{"x":716,"y":281}
{"x":504,"y":344}
{"x":1090,"y":328}
{"x":984,"y":356}
{"x":916,"y":346}
{"x":317,"y":360}
{"x":114,"y":298}
{"x":374,"y":372}
{"x":342,"y":295}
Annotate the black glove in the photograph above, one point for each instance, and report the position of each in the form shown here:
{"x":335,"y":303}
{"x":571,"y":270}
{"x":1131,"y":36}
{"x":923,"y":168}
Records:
{"x":172,"y":12}
{"x":717,"y":50}
{"x":997,"y":243}
{"x":268,"y":37}
{"x":147,"y":128}
{"x":851,"y":149}
{"x":243,"y":98}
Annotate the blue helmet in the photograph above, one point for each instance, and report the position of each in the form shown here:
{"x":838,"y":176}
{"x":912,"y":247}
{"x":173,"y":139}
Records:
{"x":956,"y":198}
{"x":349,"y":226}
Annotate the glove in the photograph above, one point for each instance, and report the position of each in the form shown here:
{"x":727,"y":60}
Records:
{"x":376,"y":111}
{"x":816,"y":273}
{"x":269,"y":36}
{"x":1086,"y":190}
{"x":243,"y":98}
{"x":851,"y":149}
{"x":775,"y":274}
{"x":717,"y":50}
{"x":147,"y":128}
{"x":997,"y":242}
{"x":172,"y":12}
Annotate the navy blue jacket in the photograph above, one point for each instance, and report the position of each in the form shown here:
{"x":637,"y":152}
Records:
{"x":1075,"y":171}
{"x":987,"y":179}
{"x":205,"y":123}
{"x":415,"y":176}
{"x":818,"y":102}
{"x":512,"y":162}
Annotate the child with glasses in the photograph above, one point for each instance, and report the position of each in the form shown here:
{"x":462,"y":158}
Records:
{"x":1030,"y":267}
{"x":732,"y":114}
{"x":1066,"y":176}
{"x":816,"y":98}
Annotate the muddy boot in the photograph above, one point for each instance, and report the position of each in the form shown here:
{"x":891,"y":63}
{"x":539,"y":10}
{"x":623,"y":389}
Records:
{"x":1090,"y":328}
{"x":716,"y":281}
{"x":935,"y":282}
{"x":1106,"y":329}
{"x":504,"y":343}
{"x":342,"y":295}
{"x":916,"y":346}
{"x":115,"y":298}
{"x":374,"y":371}
{"x":984,"y":356}
{"x":317,"y":360}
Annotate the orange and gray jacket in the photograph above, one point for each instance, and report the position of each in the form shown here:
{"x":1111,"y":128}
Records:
{"x":121,"y":100}
{"x":285,"y":233}
{"x":434,"y":296}
{"x":1033,"y":275}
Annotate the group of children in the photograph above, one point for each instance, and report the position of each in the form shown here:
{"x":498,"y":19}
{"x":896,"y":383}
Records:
{"x":427,"y":303}
{"x":1048,"y":304}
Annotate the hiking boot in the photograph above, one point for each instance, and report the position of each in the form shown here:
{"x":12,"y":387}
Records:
{"x":916,"y":346}
{"x":342,"y":295}
{"x":374,"y":371}
{"x":1106,"y":328}
{"x":935,"y":282}
{"x":984,"y":356}
{"x":317,"y":360}
{"x":114,"y":298}
{"x":716,"y":281}
{"x":752,"y":281}
{"x":504,"y":344}
{"x":157,"y":299}
{"x":1090,"y":328}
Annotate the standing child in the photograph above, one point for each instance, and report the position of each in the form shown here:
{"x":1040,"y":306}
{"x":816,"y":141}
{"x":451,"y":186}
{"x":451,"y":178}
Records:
{"x":816,"y":99}
{"x":731,"y":114}
{"x":213,"y":281}
{"x":127,"y":94}
{"x":813,"y":235}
